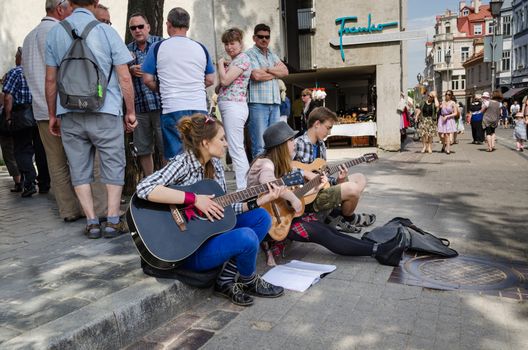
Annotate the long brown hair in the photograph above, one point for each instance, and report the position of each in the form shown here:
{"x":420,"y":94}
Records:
{"x":195,"y":129}
{"x":280,"y":157}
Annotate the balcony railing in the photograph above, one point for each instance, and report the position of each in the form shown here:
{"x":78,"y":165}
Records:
{"x":443,"y":37}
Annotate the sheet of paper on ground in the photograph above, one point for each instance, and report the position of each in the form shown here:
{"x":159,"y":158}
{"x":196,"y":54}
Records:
{"x":297,"y":275}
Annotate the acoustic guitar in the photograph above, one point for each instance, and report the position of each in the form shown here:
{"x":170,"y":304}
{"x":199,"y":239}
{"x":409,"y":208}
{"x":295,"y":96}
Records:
{"x":282,"y":214}
{"x":164,"y":236}
{"x":319,"y":166}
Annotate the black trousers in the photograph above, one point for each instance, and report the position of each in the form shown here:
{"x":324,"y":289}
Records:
{"x":24,"y":151}
{"x":43,"y":176}
{"x":477,"y":131}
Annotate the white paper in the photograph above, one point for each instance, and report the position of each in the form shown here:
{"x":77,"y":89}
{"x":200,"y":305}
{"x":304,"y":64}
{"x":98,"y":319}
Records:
{"x":297,"y":275}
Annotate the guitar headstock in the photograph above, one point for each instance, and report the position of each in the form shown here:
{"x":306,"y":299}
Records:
{"x":370,"y":157}
{"x":292,"y":179}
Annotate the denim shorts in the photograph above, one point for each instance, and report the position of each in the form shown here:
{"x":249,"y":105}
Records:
{"x":82,"y":134}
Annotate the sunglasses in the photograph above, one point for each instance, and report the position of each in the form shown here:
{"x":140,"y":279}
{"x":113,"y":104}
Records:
{"x":267,"y":37}
{"x":139,"y":26}
{"x":106,"y":21}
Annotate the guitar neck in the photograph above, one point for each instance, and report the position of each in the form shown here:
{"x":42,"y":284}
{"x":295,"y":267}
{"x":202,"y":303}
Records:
{"x":300,"y":192}
{"x":241,"y":196}
{"x":335,"y":168}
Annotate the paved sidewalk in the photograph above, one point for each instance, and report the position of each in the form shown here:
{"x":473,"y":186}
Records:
{"x":476,"y":199}
{"x":61,"y":290}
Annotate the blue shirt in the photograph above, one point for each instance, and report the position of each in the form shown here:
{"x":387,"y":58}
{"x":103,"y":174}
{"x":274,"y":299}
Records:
{"x":107,"y":47}
{"x":145,"y":99}
{"x":16,"y":85}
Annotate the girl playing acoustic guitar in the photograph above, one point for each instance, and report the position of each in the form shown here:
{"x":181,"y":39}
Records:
{"x":205,"y":143}
{"x":276,"y":162}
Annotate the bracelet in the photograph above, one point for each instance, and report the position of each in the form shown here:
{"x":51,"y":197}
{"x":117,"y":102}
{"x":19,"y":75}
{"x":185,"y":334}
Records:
{"x":252,"y":204}
{"x":190,"y":199}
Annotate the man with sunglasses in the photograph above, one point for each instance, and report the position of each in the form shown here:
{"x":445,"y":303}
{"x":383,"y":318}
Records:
{"x":264,"y":93}
{"x":147,"y":102}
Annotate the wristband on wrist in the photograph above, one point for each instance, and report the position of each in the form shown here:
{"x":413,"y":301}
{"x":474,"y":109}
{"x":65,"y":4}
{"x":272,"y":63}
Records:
{"x":252,"y":204}
{"x":190,"y":199}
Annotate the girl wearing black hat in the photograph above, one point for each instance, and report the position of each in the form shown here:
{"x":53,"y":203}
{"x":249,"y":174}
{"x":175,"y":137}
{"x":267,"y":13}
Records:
{"x":274,"y":163}
{"x":205,"y":143}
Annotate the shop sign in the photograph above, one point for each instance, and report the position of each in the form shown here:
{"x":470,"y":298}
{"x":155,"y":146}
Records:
{"x":368,"y":29}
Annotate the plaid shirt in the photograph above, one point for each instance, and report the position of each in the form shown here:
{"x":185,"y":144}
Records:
{"x":145,"y":99}
{"x":184,"y":169}
{"x":305,"y":152}
{"x":266,"y":92}
{"x":16,"y":85}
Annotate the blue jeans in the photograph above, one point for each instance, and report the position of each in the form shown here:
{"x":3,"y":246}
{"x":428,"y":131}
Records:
{"x":172,"y":143}
{"x":241,"y":244}
{"x":261,"y":116}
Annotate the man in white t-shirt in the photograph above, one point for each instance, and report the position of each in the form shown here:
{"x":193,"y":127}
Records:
{"x":183,"y":68}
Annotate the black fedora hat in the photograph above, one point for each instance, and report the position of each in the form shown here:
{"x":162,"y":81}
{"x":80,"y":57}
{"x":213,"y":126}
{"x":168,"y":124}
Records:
{"x":277,"y":133}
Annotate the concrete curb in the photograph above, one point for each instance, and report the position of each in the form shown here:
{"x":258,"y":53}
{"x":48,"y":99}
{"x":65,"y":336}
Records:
{"x":116,"y":320}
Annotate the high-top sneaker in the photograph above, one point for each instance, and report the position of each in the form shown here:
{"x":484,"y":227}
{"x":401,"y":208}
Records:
{"x":260,"y":288}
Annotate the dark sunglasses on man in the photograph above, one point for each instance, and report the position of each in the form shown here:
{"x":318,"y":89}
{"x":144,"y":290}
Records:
{"x":139,"y":26}
{"x":267,"y":37}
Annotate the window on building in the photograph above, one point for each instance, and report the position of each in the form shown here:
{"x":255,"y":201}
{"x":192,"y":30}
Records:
{"x":490,"y":28}
{"x":463,"y":82}
{"x":448,"y":27}
{"x":438,"y":55}
{"x":465,"y":12}
{"x":505,"y":60}
{"x":477,"y":29}
{"x":464,"y":53}
{"x":454,"y":82}
{"x":480,"y":73}
{"x":506,"y":25}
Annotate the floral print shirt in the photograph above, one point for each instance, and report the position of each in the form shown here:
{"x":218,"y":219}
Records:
{"x":237,"y":90}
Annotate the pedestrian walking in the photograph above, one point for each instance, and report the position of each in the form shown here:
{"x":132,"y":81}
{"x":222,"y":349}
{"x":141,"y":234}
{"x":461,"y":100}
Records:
{"x":475,"y":110}
{"x":519,"y":133}
{"x":426,"y":117}
{"x":446,"y":121}
{"x":490,"y":121}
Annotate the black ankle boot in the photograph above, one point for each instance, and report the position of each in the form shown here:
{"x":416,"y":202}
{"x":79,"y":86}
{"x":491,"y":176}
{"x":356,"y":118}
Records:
{"x":260,"y":288}
{"x":17,"y":188}
{"x":233,"y":291}
{"x":390,"y":252}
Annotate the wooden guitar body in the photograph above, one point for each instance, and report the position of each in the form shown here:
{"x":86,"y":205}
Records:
{"x":282,"y":215}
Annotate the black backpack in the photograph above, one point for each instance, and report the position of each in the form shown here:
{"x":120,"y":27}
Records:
{"x":417,"y":239}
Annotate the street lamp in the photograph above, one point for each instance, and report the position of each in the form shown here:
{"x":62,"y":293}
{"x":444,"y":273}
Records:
{"x":419,"y":78}
{"x":448,"y":61}
{"x":495,"y":12}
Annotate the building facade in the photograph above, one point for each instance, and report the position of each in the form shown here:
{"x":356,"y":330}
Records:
{"x":453,"y":44}
{"x":504,"y":66}
{"x":520,"y":43}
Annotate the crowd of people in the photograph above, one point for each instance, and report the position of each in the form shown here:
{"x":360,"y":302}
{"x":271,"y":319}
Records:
{"x":485,"y":114}
{"x":161,"y":98}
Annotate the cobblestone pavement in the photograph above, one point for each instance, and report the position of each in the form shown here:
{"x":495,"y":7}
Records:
{"x":476,"y":199}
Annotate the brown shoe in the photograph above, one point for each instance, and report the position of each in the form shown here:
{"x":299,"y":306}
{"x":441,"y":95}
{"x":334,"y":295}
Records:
{"x":93,"y":231}
{"x":114,"y":230}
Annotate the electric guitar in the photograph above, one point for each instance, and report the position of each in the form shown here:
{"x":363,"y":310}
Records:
{"x":319,"y":166}
{"x":282,"y":214}
{"x":163,"y":234}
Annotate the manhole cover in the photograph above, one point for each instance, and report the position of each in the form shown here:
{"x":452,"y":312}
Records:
{"x":464,"y":273}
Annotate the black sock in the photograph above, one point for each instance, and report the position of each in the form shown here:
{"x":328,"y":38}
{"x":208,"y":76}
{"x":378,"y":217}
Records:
{"x":228,"y":274}
{"x":243,"y":279}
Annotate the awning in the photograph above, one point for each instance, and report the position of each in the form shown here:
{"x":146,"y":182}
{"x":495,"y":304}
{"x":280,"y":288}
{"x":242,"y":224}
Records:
{"x":512,"y":92}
